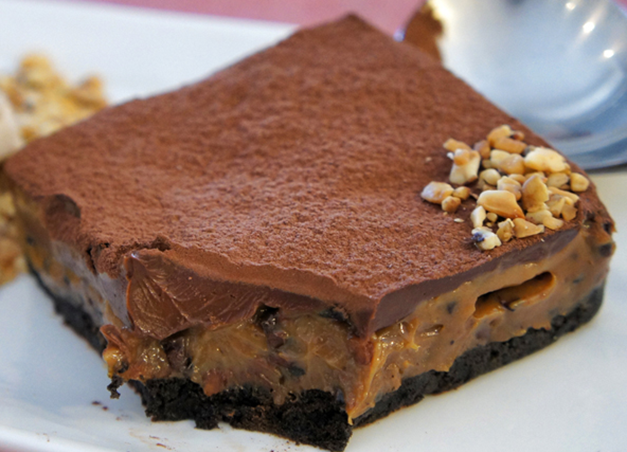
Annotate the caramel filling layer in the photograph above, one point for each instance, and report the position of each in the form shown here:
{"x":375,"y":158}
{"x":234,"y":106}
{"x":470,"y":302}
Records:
{"x":288,"y":352}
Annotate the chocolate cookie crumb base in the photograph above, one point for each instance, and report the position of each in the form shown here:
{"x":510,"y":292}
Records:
{"x":316,"y":417}
{"x":74,"y":316}
{"x":483,"y":359}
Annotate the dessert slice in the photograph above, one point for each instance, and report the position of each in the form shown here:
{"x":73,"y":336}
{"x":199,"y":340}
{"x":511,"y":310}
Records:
{"x":254,"y":248}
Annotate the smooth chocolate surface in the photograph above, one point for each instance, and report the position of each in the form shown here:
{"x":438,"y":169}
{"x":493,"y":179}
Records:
{"x":297,"y":170}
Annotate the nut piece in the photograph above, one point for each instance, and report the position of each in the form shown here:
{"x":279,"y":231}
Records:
{"x":506,"y":230}
{"x":453,"y":145}
{"x":461,"y":156}
{"x":483,"y":147}
{"x":491,"y":176}
{"x":557,"y":180}
{"x":556,"y":205}
{"x":578,"y":182}
{"x":10,"y":139}
{"x":485,"y":239}
{"x":534,"y":193}
{"x":552,"y":223}
{"x":518,"y":135}
{"x":523,"y":228}
{"x":569,"y":212}
{"x":450,"y":204}
{"x":510,"y":145}
{"x":512,"y":164}
{"x":518,"y":178}
{"x":499,"y":132}
{"x":496,"y":157}
{"x":502,"y":203}
{"x":485,"y":186}
{"x":566,"y":194}
{"x":492,"y":217}
{"x":463,"y":174}
{"x":462,"y":193}
{"x":530,"y":174}
{"x":509,"y":184}
{"x":545,"y":159}
{"x":538,"y":216}
{"x":436,"y":192}
{"x":478,"y":216}
{"x":546,"y":218}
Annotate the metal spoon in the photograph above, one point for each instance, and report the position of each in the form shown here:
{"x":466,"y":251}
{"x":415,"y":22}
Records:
{"x":558,"y":65}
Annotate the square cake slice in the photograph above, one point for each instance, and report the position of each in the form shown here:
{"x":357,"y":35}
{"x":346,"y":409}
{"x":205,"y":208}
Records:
{"x":254,"y":248}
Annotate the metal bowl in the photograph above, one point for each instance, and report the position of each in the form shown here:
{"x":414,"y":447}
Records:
{"x":559,"y":66}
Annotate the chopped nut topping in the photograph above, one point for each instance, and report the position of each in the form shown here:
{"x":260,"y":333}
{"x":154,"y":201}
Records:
{"x":450,"y":204}
{"x":529,"y":194}
{"x":436,"y":192}
{"x":578,"y":182}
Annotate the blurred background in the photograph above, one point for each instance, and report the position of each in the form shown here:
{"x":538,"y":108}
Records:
{"x":387,"y":15}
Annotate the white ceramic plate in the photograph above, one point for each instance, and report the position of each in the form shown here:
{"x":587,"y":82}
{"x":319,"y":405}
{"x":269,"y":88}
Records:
{"x":569,"y":397}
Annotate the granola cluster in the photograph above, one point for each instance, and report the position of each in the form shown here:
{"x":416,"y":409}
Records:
{"x":34,"y":102}
{"x":43,"y":101}
{"x":519,"y":189}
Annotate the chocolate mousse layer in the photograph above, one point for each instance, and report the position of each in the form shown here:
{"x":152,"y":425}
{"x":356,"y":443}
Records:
{"x":294,"y":171}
